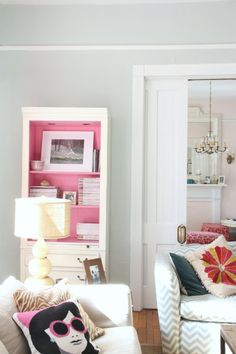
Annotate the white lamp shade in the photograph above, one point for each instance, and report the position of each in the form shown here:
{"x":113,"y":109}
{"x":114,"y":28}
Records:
{"x":42,"y":217}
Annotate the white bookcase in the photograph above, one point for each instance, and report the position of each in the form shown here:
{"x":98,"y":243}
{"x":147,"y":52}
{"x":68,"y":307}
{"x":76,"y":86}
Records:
{"x":67,"y":255}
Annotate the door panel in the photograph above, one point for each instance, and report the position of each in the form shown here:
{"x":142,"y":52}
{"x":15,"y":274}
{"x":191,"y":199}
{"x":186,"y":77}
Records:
{"x":165,"y":161}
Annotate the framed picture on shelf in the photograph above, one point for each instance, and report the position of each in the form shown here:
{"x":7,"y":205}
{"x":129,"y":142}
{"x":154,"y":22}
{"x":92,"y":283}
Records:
{"x":70,"y":196}
{"x":67,"y":150}
{"x":94,"y":271}
{"x":221,"y":180}
{"x":207,"y":180}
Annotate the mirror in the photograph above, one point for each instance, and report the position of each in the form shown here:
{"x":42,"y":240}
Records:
{"x":202,"y":165}
{"x":202,"y":168}
{"x":210,"y":201}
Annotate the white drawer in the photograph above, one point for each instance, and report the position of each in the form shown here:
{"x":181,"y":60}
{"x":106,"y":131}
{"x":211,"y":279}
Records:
{"x":66,"y":260}
{"x":72,"y":276}
{"x":71,"y":260}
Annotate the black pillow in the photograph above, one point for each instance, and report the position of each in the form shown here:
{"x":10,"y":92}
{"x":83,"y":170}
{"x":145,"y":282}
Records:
{"x":187,"y":276}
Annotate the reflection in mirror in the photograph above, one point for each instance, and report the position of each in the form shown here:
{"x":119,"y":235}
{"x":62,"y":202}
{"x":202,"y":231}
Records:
{"x":201,"y":165}
{"x":208,"y":200}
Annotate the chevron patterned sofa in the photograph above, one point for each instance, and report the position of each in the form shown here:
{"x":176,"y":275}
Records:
{"x":189,"y":324}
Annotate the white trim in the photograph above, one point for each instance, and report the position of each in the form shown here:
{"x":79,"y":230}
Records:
{"x":121,"y":47}
{"x":140,"y":74}
{"x":99,"y":2}
{"x":136,"y":211}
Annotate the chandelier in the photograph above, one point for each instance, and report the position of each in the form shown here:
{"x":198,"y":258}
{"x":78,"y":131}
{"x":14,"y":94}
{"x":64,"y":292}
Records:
{"x":209,"y":144}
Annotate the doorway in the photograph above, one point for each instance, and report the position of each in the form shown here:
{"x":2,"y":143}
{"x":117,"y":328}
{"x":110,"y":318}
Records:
{"x":171,"y":147}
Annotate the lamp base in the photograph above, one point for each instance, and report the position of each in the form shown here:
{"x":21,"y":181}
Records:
{"x":40,"y":266}
{"x":33,"y":282}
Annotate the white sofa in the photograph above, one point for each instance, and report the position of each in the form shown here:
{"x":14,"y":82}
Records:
{"x":189,"y":324}
{"x":109,"y":306}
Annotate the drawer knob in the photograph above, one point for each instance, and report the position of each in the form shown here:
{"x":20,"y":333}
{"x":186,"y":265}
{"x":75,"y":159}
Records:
{"x":80,"y":261}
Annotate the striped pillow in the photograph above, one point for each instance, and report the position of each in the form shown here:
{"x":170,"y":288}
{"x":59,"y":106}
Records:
{"x":29,"y":301}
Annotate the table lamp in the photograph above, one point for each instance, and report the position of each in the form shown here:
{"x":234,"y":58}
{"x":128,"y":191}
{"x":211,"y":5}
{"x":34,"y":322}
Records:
{"x":41,"y":218}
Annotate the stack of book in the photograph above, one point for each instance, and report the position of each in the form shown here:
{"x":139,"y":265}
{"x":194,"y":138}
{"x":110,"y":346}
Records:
{"x":47,"y":191}
{"x":89,"y":191}
{"x":87,"y":231}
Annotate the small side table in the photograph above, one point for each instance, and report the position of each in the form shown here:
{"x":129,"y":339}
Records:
{"x":228,"y":222}
{"x":228,"y":336}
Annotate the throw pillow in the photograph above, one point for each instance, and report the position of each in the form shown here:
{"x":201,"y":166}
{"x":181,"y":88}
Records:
{"x":10,"y":334}
{"x":29,"y":301}
{"x":187,"y":275}
{"x":216,"y":267}
{"x":55,"y":330}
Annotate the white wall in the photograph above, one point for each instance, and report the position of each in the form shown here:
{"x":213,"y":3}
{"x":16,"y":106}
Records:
{"x":92,"y":78}
{"x":152,"y":24}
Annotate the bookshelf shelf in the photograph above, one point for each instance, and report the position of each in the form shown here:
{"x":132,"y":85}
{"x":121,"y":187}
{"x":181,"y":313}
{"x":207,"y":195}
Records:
{"x":80,"y":174}
{"x":41,"y":121}
{"x":84,"y":206}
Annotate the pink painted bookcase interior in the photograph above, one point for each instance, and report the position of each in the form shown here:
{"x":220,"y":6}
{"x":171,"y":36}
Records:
{"x":65,"y":180}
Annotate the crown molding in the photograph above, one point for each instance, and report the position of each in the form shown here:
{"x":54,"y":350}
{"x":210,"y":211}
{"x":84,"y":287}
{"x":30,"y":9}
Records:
{"x":102,"y":2}
{"x":118,"y":47}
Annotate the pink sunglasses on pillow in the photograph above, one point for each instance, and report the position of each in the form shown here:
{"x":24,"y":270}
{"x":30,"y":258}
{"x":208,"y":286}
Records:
{"x":60,"y":328}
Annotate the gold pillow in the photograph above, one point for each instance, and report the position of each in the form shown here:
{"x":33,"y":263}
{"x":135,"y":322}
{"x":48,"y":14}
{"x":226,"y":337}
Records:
{"x":27,"y":300}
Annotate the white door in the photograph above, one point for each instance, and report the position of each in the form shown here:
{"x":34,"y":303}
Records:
{"x":165,"y":161}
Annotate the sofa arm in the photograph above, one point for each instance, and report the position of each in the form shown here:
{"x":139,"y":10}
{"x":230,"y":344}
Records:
{"x":168,"y":303}
{"x":107,"y":305}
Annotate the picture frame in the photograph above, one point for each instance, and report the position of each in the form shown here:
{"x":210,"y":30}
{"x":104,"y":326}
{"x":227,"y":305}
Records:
{"x":207,"y":180}
{"x":94,"y":271}
{"x":67,"y":150}
{"x":70,"y":195}
{"x":221,"y":180}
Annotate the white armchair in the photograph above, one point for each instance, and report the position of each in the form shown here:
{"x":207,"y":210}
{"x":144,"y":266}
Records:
{"x":189,"y":324}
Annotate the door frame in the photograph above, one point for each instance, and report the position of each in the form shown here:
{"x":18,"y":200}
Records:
{"x":140,"y":74}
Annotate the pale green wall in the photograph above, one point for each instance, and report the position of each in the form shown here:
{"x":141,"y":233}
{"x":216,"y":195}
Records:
{"x":94,"y":79}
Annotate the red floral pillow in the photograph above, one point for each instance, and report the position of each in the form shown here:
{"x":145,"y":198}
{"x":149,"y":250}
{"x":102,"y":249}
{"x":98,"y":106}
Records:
{"x":216,"y":267}
{"x":220,"y":265}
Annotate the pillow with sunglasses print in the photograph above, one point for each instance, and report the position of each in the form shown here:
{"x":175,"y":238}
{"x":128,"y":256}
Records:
{"x":56,"y":330}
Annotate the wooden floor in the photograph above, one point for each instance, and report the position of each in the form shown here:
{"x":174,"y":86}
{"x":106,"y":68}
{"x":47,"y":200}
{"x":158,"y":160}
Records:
{"x":147,"y":326}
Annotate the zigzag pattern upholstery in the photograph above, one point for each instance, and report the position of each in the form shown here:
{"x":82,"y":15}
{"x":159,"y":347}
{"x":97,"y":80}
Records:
{"x":199,"y":338}
{"x":168,"y":300}
{"x":178,"y":335}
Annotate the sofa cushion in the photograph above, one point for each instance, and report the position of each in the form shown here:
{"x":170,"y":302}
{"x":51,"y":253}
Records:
{"x":208,"y":308}
{"x":3,"y":349}
{"x":10,"y":334}
{"x":216,"y":267}
{"x":27,"y":300}
{"x":98,"y":301}
{"x":214,"y":227}
{"x":202,"y":237}
{"x":187,"y":275}
{"x":56,"y":329}
{"x":119,"y":340}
